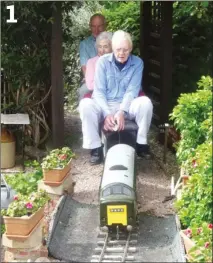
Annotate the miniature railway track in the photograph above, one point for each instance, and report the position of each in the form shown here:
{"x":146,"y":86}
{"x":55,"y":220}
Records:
{"x":111,"y":248}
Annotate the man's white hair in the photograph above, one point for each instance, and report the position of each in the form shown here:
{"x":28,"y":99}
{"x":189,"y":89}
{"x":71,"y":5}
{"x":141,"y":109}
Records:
{"x":104,"y":35}
{"x":121,"y":35}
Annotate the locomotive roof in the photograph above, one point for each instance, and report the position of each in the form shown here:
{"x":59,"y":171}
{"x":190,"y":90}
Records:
{"x":119,"y":165}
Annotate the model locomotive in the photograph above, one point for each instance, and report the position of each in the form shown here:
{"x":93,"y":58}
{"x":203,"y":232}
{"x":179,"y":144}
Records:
{"x":118,"y":204}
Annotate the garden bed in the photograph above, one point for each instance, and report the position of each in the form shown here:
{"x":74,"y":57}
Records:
{"x":193,"y":117}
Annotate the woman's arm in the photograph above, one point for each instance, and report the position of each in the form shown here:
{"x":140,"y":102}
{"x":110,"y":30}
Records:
{"x":90,"y":73}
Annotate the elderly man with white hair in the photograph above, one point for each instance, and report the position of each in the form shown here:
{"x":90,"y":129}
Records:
{"x":117,"y":84}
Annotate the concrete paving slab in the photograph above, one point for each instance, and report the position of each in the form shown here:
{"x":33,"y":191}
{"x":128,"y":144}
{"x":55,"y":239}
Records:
{"x":159,"y":240}
{"x":74,"y":236}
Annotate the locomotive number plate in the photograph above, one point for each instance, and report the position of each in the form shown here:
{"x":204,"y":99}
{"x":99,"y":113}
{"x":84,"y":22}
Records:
{"x":117,"y":214}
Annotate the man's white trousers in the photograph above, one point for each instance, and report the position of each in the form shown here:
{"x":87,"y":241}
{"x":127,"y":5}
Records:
{"x":141,"y":110}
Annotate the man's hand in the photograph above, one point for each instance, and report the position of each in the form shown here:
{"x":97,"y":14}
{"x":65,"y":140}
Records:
{"x":109,"y":122}
{"x":119,"y":118}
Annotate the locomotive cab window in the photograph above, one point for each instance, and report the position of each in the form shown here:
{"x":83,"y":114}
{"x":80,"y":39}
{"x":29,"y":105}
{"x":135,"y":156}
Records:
{"x":117,"y":189}
{"x":127,"y":191}
{"x":106,"y":192}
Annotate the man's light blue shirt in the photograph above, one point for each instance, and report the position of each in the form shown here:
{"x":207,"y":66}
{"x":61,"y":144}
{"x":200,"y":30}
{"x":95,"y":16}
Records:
{"x":87,"y":50}
{"x":113,"y":85}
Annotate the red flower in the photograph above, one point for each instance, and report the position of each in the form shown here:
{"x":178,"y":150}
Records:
{"x":210,"y":226}
{"x":188,"y":232}
{"x":62,"y":157}
{"x":207,"y":244}
{"x":29,"y":205}
{"x":15,"y":197}
{"x":199,"y":230}
{"x":194,"y":163}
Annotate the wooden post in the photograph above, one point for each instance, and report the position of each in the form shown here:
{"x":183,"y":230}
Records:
{"x":156,"y":52}
{"x":57,"y":99}
{"x":166,"y":59}
{"x":145,"y":27}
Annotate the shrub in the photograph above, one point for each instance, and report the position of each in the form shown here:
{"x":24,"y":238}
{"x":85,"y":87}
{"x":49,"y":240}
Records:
{"x":202,"y":237}
{"x":192,"y":35}
{"x":195,"y":205}
{"x":190,"y":118}
{"x":75,"y":28}
{"x":125,"y":16}
{"x":193,"y":117}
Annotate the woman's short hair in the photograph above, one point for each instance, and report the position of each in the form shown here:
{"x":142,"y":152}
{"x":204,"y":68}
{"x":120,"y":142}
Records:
{"x":121,"y":35}
{"x":104,"y":35}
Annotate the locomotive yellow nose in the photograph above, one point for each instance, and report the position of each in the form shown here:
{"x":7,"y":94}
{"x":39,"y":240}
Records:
{"x":117,"y":214}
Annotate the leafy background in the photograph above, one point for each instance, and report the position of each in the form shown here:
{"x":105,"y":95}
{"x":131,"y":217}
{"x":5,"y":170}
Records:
{"x":26,"y":50}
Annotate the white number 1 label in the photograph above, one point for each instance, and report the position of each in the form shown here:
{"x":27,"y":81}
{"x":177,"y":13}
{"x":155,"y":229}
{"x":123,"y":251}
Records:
{"x":11,"y":20}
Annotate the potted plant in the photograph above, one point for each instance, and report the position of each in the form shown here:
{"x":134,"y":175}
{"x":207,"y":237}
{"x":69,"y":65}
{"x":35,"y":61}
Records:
{"x":24,"y":213}
{"x":24,"y":183}
{"x":57,"y":164}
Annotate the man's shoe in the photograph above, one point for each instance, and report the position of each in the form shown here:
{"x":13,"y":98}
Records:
{"x":96,"y":156}
{"x":143,"y":151}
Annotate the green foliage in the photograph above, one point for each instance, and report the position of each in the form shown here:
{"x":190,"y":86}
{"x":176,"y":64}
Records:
{"x":32,"y":164}
{"x":190,"y":9}
{"x":202,"y":237}
{"x":2,"y":229}
{"x":191,"y":117}
{"x":192,"y":45}
{"x":125,"y":16}
{"x":24,"y":183}
{"x":25,"y":59}
{"x":26,"y":205}
{"x":25,"y":55}
{"x":57,"y":158}
{"x":195,"y":204}
{"x":112,"y":5}
{"x":75,"y":28}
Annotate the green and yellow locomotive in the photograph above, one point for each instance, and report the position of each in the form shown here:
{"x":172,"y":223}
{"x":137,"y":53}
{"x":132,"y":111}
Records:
{"x":118,"y":204}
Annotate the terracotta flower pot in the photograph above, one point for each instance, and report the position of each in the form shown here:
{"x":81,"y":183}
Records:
{"x":56,"y":175}
{"x":188,"y":243}
{"x":22,"y":226}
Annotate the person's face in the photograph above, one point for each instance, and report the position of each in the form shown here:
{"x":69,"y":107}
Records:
{"x":104,"y":47}
{"x":122,"y":50}
{"x":97,"y":26}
